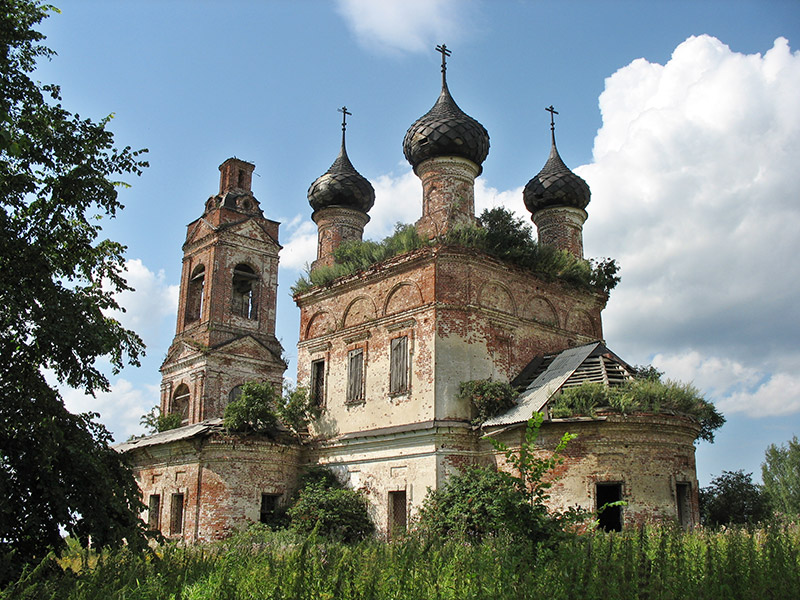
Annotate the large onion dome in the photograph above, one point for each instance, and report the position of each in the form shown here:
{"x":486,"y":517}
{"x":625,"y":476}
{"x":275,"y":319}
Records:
{"x":555,"y":184}
{"x":341,"y":185}
{"x":446,"y":130}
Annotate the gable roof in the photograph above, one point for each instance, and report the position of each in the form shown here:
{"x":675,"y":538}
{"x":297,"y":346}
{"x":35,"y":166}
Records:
{"x":546,"y":375}
{"x":173,"y":435}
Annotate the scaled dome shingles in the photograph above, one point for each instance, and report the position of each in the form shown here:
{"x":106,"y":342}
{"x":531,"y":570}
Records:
{"x":446,"y":130}
{"x":556,"y":185}
{"x":341,"y":185}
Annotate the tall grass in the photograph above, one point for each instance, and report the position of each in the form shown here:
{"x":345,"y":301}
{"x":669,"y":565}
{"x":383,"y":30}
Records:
{"x":654,"y":563}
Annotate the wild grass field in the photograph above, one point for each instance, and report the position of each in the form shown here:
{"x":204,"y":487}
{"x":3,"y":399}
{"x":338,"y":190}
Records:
{"x":653,"y":563}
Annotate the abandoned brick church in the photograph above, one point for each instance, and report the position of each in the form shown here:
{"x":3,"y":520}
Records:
{"x":383,"y":352}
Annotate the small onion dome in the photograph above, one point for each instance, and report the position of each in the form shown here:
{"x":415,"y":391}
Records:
{"x":341,"y":185}
{"x":446,"y":130}
{"x":555,"y":185}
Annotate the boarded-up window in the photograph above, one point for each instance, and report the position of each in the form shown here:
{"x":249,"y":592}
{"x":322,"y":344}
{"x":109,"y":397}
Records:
{"x":269,"y":506}
{"x":398,"y":369}
{"x":194,"y":295}
{"x":682,"y":493}
{"x":609,"y":517}
{"x":245,"y":286}
{"x":355,"y":375}
{"x":398,"y":513}
{"x":154,"y":512}
{"x":317,"y":385}
{"x":176,"y":515}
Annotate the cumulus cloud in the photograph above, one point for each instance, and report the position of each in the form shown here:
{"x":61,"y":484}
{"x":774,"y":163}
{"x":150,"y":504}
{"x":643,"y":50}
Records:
{"x":150,"y":302}
{"x":403,"y":25}
{"x":301,"y":248}
{"x":695,"y":192}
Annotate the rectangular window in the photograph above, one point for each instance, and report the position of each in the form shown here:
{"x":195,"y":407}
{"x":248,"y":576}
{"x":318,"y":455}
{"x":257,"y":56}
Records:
{"x":269,"y":505}
{"x":683,"y":493}
{"x":355,"y":375}
{"x":398,"y":366}
{"x":398,"y":513}
{"x":317,"y":386}
{"x":609,"y":517}
{"x":176,"y":515}
{"x":154,"y":512}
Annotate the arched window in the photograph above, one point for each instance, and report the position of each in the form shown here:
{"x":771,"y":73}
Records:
{"x":194,"y":294}
{"x":245,"y":287}
{"x":180,"y":402}
{"x":235,"y":394}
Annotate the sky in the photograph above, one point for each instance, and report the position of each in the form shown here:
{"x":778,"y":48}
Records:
{"x":683,"y":117}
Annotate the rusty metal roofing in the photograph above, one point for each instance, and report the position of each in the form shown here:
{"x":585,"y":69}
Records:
{"x":545,"y":376}
{"x":173,"y":435}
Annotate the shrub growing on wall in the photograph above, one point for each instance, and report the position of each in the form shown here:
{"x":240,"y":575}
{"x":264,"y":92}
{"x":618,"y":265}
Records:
{"x":490,"y":398}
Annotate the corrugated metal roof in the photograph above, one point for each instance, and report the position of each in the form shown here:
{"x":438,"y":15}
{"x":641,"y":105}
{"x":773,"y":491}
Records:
{"x":542,"y":388}
{"x":173,"y":435}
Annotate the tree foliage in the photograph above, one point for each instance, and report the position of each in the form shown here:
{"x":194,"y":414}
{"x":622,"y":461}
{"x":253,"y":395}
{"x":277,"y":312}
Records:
{"x":58,"y":282}
{"x":324,"y":505}
{"x":732,"y":498}
{"x":490,"y":398}
{"x":259,"y":408}
{"x":780,"y":472}
{"x":155,"y":421}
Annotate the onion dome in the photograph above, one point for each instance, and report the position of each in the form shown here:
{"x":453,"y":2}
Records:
{"x":445,"y":130}
{"x":341,"y":185}
{"x":555,"y":184}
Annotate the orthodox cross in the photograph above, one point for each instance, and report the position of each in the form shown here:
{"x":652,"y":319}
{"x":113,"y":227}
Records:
{"x":344,"y":112}
{"x":552,"y":112}
{"x":445,"y":53}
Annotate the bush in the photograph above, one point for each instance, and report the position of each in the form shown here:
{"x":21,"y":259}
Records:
{"x":156,"y":422}
{"x":259,"y":408}
{"x":325,"y":506}
{"x":490,"y":398}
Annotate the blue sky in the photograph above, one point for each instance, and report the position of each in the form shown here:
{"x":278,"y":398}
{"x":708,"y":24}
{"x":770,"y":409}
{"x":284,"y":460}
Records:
{"x":682,"y":116}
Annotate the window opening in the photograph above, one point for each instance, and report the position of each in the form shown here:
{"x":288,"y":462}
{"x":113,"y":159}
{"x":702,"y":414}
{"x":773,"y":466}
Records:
{"x":235,"y":394}
{"x":240,"y":181}
{"x":609,"y":517}
{"x":176,"y":515}
{"x":317,"y":387}
{"x":355,"y":375}
{"x":683,"y":494}
{"x":398,"y":366}
{"x":398,"y":513}
{"x":194,"y":295}
{"x":180,"y":402}
{"x":154,"y":512}
{"x":244,"y":292}
{"x":269,"y":507}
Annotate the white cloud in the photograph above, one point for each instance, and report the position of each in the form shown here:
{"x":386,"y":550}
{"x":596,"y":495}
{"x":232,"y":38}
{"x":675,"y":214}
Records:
{"x":120,"y":408}
{"x":398,"y":199}
{"x":150,"y":302}
{"x":696,"y":193}
{"x":301,"y":248}
{"x":403,"y":25}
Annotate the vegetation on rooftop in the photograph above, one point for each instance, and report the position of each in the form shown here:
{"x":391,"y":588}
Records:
{"x":497,"y":232}
{"x":643,"y":394}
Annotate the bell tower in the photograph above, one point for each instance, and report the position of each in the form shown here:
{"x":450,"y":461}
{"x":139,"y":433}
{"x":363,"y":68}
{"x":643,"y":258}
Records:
{"x":225,"y":335}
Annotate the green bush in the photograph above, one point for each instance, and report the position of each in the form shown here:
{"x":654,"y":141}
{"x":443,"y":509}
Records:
{"x":156,"y":422}
{"x":489,"y":397}
{"x":259,"y":408}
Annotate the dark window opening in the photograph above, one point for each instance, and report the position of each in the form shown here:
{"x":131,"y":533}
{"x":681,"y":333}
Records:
{"x":317,"y":386}
{"x":180,"y":402}
{"x":235,"y":394}
{"x":269,"y":508}
{"x":176,"y":515}
{"x":194,"y":295}
{"x":355,"y":375}
{"x":398,"y":513}
{"x":240,"y":181}
{"x":609,"y":517}
{"x":244,"y":297}
{"x":154,"y":512}
{"x":398,"y":366}
{"x":683,"y":495}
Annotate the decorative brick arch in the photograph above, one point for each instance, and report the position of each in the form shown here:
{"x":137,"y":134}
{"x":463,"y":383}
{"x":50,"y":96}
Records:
{"x":580,"y":321}
{"x":403,"y":296}
{"x":542,"y":310}
{"x":320,"y":324}
{"x":360,"y":310}
{"x":496,"y":296}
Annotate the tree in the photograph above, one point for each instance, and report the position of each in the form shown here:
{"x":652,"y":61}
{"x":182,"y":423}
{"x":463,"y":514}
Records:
{"x":155,"y":421}
{"x":259,"y":408}
{"x":58,"y":282}
{"x":781,"y":474}
{"x":732,"y":498}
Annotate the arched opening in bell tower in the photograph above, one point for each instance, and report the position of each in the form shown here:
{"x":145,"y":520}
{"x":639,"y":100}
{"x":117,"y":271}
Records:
{"x":245,"y":287}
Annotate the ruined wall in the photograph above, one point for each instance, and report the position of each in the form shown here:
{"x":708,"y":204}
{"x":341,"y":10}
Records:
{"x":221,"y":478}
{"x":649,"y":455}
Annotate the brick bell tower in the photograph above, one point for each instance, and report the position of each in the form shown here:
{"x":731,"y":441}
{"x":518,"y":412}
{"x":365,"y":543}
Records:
{"x":225,"y":334}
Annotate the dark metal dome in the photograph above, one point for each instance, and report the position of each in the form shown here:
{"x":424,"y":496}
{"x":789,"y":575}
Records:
{"x":555,"y":185}
{"x":341,"y":185}
{"x":446,"y":130}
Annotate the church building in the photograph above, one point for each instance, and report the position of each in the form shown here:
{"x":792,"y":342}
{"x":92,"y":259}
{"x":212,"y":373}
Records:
{"x":383,"y":352}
